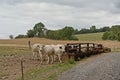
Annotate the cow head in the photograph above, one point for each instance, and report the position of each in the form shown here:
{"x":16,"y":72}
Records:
{"x":61,"y":48}
{"x":40,"y":48}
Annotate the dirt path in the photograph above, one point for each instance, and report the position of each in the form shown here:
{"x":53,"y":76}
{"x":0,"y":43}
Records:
{"x":103,"y":67}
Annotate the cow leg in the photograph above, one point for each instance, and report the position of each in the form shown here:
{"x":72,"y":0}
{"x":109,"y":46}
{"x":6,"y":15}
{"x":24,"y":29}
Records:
{"x":52,"y":59}
{"x":33,"y":55}
{"x":41,"y":59}
{"x":59,"y":57}
{"x":38,"y":56}
{"x":48,"y":59}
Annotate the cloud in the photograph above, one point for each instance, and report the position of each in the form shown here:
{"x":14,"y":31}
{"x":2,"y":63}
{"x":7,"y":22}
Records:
{"x":18,"y":16}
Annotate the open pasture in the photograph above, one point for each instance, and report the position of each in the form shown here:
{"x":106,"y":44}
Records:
{"x":90,"y":36}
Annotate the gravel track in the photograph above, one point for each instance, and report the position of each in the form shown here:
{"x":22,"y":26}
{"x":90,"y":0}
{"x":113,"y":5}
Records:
{"x":101,"y":67}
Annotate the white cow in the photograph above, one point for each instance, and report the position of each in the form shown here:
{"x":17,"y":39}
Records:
{"x":36,"y":50}
{"x":48,"y":51}
{"x":59,"y":50}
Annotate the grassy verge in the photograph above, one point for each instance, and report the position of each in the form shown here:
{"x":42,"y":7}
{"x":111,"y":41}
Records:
{"x":116,"y":49}
{"x":48,"y":72}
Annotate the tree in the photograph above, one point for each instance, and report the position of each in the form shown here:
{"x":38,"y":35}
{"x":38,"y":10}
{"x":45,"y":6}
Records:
{"x":65,"y":33}
{"x":106,"y":35}
{"x":38,"y":28}
{"x":84,"y":31}
{"x":68,"y":31}
{"x":30,"y":33}
{"x":76,"y":31}
{"x":116,"y":31}
{"x":113,"y":34}
{"x":93,"y":29}
{"x":119,"y":37}
{"x":21,"y":36}
{"x":11,"y":36}
{"x":105,"y":29}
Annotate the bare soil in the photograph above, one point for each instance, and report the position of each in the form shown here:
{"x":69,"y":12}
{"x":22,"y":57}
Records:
{"x":10,"y":66}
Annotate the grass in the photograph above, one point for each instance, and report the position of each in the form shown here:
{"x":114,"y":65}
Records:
{"x":116,"y":49}
{"x":48,"y":72}
{"x":90,"y":37}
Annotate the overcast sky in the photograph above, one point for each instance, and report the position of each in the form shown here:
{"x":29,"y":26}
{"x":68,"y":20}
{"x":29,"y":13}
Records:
{"x":18,"y":16}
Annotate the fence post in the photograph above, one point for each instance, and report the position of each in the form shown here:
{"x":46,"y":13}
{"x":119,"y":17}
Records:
{"x":29,"y":44}
{"x":22,"y":70}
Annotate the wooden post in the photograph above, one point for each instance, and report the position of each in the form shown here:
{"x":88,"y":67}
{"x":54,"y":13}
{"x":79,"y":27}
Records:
{"x":93,"y":45}
{"x":87,"y":46}
{"x":79,"y":48}
{"x":22,"y":70}
{"x":29,"y":44}
{"x":67,"y":49}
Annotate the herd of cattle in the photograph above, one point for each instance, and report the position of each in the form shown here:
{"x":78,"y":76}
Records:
{"x":48,"y":51}
{"x":75,"y":50}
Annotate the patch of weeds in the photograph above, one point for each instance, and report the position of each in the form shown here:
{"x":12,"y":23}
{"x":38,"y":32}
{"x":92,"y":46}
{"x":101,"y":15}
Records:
{"x":116,"y":49}
{"x":71,"y":61}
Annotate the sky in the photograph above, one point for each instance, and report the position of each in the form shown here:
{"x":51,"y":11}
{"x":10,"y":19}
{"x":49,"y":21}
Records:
{"x":18,"y":16}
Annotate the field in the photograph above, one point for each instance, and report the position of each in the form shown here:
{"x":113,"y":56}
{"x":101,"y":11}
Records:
{"x":90,"y":37}
{"x":14,"y":50}
{"x":10,"y":68}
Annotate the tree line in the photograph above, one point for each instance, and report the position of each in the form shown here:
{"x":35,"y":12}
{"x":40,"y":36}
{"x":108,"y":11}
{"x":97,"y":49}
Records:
{"x":113,"y":34}
{"x":39,"y":30}
{"x":92,"y":29}
{"x":68,"y":32}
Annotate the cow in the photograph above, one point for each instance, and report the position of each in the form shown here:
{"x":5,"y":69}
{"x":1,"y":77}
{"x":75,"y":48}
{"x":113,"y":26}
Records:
{"x":59,"y":50}
{"x":48,"y":51}
{"x":37,"y":51}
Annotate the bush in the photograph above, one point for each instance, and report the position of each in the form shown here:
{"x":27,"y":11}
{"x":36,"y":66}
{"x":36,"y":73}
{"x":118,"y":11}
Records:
{"x":106,"y":35}
{"x":71,"y":61}
{"x":11,"y":37}
{"x":111,"y":37}
{"x":73,"y":38}
{"x":21,"y":36}
{"x":118,"y":37}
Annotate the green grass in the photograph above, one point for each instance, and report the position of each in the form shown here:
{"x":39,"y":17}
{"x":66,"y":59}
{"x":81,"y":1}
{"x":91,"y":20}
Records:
{"x":48,"y":72}
{"x":90,"y":37}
